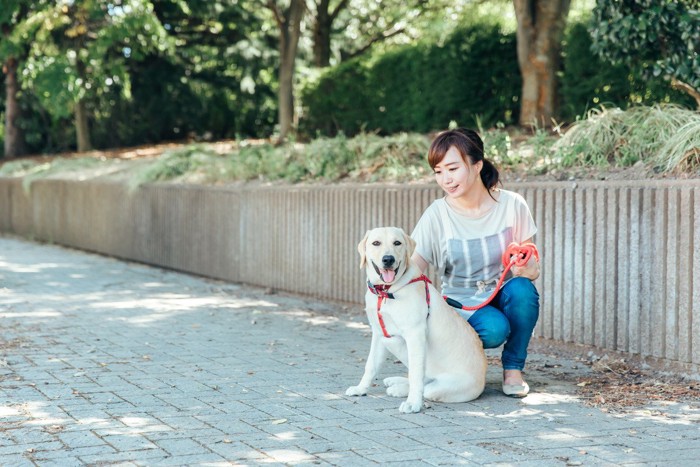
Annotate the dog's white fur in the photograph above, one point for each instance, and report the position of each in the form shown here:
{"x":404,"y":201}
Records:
{"x":443,"y":353}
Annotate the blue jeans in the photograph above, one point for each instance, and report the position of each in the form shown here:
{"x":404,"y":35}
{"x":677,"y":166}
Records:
{"x":510,"y":317}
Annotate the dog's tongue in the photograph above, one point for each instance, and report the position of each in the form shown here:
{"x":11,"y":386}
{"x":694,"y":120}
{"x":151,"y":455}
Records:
{"x":388,"y":275}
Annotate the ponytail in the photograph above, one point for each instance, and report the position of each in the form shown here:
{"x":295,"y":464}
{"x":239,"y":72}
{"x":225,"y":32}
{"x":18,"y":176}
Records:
{"x":489,"y":175}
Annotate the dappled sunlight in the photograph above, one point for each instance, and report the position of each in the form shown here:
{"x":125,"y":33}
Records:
{"x":690,"y":417}
{"x":310,"y":318}
{"x":287,"y":436}
{"x":7,"y":411}
{"x":30,"y":268}
{"x":331,"y":397}
{"x":163,"y":306}
{"x":94,"y":422}
{"x":154,"y":285}
{"x":287,"y":456}
{"x":39,"y":414}
{"x":548,"y":398}
{"x":45,"y":313}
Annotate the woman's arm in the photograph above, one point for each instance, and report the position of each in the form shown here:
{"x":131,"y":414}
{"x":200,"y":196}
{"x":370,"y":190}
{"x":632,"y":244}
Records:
{"x":420,"y":262}
{"x":530,"y":271}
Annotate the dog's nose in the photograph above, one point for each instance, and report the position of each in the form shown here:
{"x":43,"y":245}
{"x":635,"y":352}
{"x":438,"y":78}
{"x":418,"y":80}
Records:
{"x":387,"y":261}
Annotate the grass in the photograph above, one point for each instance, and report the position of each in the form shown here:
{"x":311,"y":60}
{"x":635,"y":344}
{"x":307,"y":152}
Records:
{"x":665,"y":139}
{"x":31,"y":170}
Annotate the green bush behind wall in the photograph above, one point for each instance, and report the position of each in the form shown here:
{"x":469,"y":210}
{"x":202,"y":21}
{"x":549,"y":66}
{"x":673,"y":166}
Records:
{"x":472,"y":75}
{"x":472,"y":79}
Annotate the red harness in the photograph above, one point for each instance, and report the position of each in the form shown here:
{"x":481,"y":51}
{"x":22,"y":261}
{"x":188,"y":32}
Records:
{"x":382,"y":293}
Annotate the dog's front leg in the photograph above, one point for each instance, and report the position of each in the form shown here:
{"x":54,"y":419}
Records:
{"x":377,"y":356}
{"x":416,"y":347}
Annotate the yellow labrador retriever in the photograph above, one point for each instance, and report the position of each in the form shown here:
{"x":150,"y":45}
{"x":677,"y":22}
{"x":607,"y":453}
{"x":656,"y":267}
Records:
{"x":409,"y":318}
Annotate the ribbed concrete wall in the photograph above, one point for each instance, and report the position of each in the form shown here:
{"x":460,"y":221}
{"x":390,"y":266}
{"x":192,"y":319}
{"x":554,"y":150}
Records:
{"x":617,"y":257}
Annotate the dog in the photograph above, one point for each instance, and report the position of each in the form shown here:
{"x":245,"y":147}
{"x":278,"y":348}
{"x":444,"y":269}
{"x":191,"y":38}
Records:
{"x":444,"y":355}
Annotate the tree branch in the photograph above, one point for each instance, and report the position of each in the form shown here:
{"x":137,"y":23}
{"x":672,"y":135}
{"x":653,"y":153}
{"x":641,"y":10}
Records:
{"x":338,"y":8}
{"x":272,"y":6}
{"x":378,"y":38}
{"x":686,"y":88}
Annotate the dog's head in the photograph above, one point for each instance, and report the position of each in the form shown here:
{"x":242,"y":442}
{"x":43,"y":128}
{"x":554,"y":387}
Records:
{"x":385,"y":252}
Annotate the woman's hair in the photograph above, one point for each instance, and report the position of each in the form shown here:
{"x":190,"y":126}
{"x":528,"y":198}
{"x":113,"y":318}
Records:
{"x":469,"y":144}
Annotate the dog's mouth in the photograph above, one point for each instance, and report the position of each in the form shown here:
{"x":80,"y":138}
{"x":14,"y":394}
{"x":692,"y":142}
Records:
{"x":387,"y":275}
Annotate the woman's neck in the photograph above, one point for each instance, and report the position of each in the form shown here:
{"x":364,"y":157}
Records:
{"x":473,"y":204}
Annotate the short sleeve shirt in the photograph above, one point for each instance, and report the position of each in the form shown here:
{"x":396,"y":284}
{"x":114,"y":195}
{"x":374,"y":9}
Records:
{"x":467,"y":252}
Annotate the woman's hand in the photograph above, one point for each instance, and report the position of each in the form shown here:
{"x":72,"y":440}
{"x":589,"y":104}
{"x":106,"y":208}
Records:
{"x":530,"y":271}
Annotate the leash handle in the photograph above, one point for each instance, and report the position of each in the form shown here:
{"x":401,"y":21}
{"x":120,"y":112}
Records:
{"x":515,"y":255}
{"x":519,"y":254}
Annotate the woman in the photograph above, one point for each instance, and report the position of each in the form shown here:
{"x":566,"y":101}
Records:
{"x":464,"y":236}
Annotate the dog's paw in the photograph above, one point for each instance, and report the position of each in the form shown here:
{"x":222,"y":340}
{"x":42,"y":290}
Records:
{"x":397,"y":390}
{"x":410,"y":406}
{"x":356,"y":391}
{"x":393,"y":380}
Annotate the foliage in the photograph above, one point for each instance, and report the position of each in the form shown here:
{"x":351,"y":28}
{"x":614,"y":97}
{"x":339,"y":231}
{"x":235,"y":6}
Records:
{"x":80,"y":49}
{"x":663,"y":138}
{"x":30,"y":170}
{"x":656,"y":38}
{"x":657,"y":135}
{"x":207,"y":71}
{"x":365,"y":157}
{"x":588,"y":82}
{"x":420,"y":87}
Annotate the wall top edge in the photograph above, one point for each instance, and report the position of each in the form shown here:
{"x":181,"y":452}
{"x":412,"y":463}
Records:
{"x":514,"y":186}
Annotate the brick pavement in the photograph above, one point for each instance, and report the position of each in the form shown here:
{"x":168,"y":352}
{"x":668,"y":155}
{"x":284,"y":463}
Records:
{"x":108,"y":362}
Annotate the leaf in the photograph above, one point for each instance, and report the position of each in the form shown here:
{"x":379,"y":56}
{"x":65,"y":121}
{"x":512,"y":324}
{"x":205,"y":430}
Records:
{"x":279,"y":421}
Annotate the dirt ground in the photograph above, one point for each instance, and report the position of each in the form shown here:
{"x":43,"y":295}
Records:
{"x":611,"y":381}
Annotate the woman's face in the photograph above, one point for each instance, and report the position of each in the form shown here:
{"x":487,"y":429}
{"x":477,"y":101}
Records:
{"x":455,"y":176}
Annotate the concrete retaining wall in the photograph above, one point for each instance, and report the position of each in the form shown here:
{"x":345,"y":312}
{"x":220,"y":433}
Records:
{"x":617,"y":257}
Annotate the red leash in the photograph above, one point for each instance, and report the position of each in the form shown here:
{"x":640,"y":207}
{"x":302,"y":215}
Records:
{"x":515,"y":255}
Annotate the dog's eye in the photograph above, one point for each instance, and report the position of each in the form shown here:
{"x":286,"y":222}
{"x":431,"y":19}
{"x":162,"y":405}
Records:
{"x":397,"y":243}
{"x":376,"y":243}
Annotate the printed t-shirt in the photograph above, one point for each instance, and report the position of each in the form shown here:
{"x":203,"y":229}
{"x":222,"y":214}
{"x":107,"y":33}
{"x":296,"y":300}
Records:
{"x":467,"y":252}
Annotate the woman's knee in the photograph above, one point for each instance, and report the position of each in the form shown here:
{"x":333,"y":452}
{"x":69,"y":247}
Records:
{"x":521,"y":288}
{"x":520,"y":297}
{"x":495,"y":334}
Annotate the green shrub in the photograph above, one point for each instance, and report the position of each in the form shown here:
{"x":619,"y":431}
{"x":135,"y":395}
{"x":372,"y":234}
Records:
{"x":419,"y":88}
{"x":588,"y":83}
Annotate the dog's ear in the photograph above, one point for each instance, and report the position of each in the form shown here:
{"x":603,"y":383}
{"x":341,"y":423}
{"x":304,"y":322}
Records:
{"x":410,"y":246}
{"x":361,"y":248}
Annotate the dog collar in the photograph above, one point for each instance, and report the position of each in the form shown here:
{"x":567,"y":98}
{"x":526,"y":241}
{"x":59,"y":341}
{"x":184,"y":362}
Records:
{"x":380,"y":290}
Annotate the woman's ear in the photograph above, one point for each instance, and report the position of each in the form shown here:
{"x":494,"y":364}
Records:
{"x":361,"y":248}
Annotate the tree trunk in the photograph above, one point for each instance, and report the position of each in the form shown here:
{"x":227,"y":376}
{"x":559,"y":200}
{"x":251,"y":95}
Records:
{"x":322,"y":35}
{"x":82,"y":129}
{"x":323,"y":25}
{"x":14,"y":136}
{"x":290,"y":30}
{"x":540,"y":30}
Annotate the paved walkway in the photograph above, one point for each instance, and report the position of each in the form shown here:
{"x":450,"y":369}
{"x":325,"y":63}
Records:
{"x":110,"y":362}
